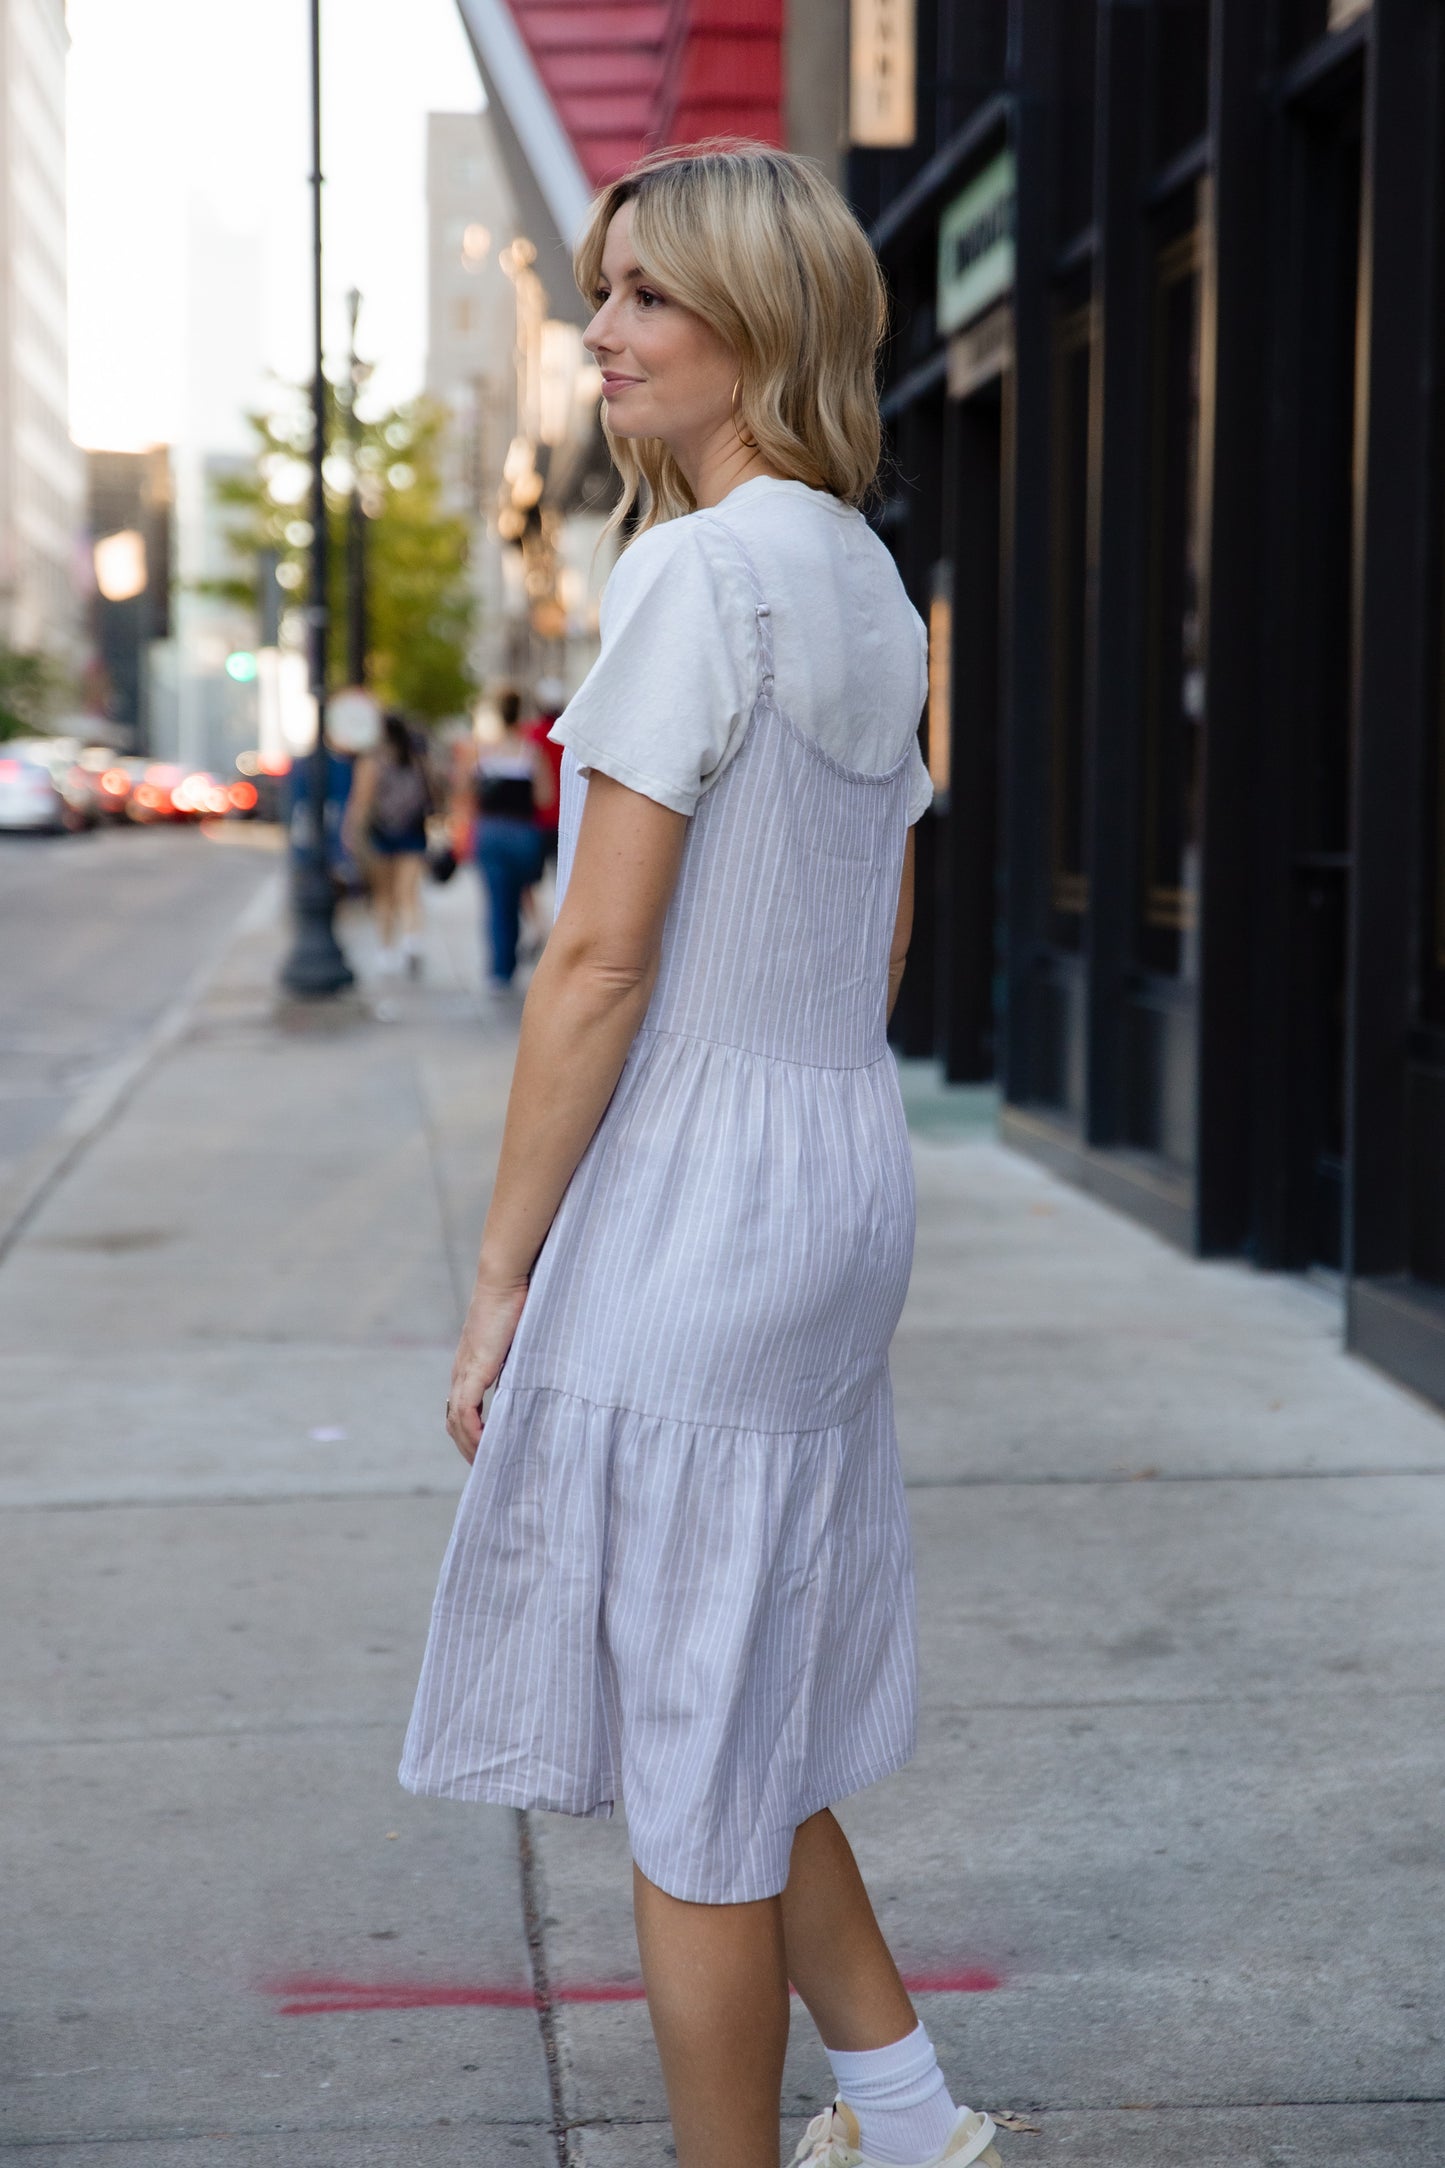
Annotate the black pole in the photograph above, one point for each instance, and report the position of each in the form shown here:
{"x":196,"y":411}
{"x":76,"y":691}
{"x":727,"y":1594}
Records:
{"x":316,"y":964}
{"x":356,"y":626}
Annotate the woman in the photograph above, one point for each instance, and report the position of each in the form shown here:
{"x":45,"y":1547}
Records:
{"x":511,"y":783}
{"x":680,"y":1570}
{"x":386,"y":824}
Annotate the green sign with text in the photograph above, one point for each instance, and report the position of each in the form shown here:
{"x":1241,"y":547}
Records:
{"x":976,"y":245}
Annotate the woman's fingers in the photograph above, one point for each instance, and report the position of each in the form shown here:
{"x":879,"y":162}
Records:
{"x":464,"y":1408}
{"x":486,"y":1337}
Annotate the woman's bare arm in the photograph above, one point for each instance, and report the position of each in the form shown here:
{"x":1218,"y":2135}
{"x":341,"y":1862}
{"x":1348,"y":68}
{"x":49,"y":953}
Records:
{"x":902,"y":926}
{"x":358,"y":801}
{"x":588,"y":996}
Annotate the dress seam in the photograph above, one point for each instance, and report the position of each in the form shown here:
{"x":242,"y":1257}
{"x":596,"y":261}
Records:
{"x":522,"y":1384}
{"x":780,"y":1061}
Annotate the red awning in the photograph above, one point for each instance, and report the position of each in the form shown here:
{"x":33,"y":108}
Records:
{"x":626,"y":75}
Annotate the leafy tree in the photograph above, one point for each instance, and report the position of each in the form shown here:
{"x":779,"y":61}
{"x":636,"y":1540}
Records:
{"x":30,"y":686}
{"x":420,"y":605}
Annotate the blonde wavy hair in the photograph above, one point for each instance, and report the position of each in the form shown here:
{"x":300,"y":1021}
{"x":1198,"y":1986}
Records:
{"x":763,"y":248}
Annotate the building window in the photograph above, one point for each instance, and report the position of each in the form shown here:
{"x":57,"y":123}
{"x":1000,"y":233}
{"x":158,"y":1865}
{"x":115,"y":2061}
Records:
{"x":1180,"y":72}
{"x":1301,"y":22}
{"x":1174,"y":689}
{"x":1077,"y":29}
{"x":1068,"y":880}
{"x":972,"y":58}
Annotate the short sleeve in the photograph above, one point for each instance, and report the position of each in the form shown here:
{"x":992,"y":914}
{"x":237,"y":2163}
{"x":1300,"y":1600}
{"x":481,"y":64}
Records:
{"x":664,"y":707}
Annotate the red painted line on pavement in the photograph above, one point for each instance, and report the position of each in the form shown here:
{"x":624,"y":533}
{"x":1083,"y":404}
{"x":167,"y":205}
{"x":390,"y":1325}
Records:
{"x":305,"y":1994}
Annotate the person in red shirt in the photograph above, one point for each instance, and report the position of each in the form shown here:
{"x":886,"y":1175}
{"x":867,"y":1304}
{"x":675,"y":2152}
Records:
{"x":551,"y":698}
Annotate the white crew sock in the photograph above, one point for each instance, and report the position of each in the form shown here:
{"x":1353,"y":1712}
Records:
{"x":898,"y":2095}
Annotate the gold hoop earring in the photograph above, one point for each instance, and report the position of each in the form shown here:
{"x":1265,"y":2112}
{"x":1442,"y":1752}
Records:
{"x":748,"y":443}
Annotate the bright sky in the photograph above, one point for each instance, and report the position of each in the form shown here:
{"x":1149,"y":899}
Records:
{"x":190,"y":233}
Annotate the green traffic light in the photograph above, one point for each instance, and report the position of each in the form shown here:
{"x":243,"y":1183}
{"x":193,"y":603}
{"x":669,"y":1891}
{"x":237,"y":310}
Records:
{"x":241,"y":666}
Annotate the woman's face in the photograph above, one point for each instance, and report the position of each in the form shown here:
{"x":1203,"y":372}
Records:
{"x":665,"y":373}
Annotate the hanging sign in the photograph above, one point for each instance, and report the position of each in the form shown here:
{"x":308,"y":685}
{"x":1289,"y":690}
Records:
{"x":976,"y":245}
{"x":882,"y":73}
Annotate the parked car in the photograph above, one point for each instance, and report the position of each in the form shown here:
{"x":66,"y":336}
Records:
{"x":113,"y":777}
{"x":153,"y":797}
{"x":60,"y":758}
{"x":30,"y":798}
{"x":259,"y":791}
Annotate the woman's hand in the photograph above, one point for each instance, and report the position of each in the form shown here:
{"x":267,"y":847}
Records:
{"x":490,"y":1327}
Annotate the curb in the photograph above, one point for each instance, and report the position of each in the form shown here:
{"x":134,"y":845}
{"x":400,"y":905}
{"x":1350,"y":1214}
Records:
{"x":92,"y":1111}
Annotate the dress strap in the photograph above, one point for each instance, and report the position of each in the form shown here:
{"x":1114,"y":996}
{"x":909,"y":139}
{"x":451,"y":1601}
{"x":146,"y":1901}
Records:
{"x":760,"y":608}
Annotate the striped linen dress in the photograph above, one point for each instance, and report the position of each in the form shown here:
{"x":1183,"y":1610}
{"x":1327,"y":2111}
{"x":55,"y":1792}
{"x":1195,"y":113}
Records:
{"x":680,"y":1573}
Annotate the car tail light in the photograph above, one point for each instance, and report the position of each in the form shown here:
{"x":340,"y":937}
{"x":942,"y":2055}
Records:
{"x":116,"y":782}
{"x":243,"y":796}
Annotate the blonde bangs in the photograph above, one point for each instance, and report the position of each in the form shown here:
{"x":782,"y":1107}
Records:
{"x":762,"y":247}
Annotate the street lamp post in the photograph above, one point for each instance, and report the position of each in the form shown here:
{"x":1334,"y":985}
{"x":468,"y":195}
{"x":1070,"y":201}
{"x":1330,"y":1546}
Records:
{"x":356,"y":626}
{"x":315,"y":965}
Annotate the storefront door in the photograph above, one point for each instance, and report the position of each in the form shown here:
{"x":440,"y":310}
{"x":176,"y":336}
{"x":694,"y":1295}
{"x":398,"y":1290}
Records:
{"x":1320,"y":856}
{"x":1305,"y":814}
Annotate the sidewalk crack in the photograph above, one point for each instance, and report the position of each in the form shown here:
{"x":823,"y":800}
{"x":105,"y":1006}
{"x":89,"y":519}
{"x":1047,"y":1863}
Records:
{"x":542,"y":1989}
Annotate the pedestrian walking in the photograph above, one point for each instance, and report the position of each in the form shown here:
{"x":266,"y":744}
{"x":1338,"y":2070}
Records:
{"x":550,"y":697}
{"x":680,"y":1573}
{"x":512,"y":783}
{"x":386,"y":818}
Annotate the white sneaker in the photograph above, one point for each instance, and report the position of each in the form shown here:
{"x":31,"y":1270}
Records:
{"x":833,"y":2140}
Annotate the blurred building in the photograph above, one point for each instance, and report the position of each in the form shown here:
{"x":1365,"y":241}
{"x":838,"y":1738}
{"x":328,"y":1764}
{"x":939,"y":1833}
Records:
{"x":202,"y":712}
{"x":42,"y":477}
{"x":129,"y":523}
{"x":1164,"y":396}
{"x":525,"y":463}
{"x":471,"y":337}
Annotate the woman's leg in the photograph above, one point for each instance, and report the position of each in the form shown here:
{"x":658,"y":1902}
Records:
{"x":506,"y":917}
{"x":498,"y":868}
{"x":883,"y":2060}
{"x":383,"y":900}
{"x":717,"y":1993}
{"x":408,"y":893}
{"x":837,"y":1958}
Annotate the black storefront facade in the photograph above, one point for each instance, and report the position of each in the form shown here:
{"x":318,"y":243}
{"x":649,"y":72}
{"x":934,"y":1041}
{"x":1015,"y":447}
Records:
{"x":1167,"y":421}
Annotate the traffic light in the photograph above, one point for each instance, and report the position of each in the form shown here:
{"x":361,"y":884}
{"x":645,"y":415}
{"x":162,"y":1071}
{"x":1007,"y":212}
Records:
{"x":241,"y":666}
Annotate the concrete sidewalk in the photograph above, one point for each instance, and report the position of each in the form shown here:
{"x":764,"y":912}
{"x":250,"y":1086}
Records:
{"x":1170,"y":1855}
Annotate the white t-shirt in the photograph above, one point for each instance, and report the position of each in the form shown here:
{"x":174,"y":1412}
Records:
{"x":665,"y":705}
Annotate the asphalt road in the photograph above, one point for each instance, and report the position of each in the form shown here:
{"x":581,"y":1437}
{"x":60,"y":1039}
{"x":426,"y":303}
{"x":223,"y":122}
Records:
{"x":101,"y":933}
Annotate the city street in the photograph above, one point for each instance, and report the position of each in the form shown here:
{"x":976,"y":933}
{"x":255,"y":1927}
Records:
{"x":104,"y":933}
{"x":1165,"y":1872}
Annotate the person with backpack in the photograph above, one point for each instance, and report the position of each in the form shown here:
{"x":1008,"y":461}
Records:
{"x":386,"y":818}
